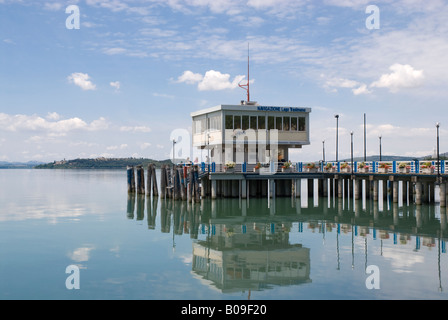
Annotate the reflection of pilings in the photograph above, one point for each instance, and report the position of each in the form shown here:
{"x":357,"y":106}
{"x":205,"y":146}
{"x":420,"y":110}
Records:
{"x":130,"y":206}
{"x":140,"y":207}
{"x":152,"y":212}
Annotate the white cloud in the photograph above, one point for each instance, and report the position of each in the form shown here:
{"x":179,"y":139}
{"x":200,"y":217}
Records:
{"x":402,"y":76}
{"x":189,"y":77}
{"x":145,"y":145}
{"x":116,"y":85}
{"x":82,"y":80}
{"x":114,"y":51}
{"x":22,"y":122}
{"x":53,"y":6}
{"x":357,"y":87}
{"x":53,"y":116}
{"x":135,"y":129}
{"x":120,"y":147}
{"x":211,"y":81}
{"x":362,"y":89}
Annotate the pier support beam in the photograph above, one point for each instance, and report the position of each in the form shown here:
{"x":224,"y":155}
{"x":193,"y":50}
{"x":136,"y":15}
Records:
{"x":375,"y":189}
{"x":356,"y":189}
{"x":442,"y":187}
{"x":214,"y":189}
{"x":339,"y":187}
{"x":418,"y":192}
{"x":395,"y":192}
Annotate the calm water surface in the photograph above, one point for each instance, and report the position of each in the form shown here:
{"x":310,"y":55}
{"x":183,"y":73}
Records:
{"x":141,"y":248}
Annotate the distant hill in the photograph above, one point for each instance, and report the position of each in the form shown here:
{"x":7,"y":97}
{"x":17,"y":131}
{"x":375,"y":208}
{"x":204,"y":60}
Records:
{"x":101,"y":163}
{"x":19,"y":165}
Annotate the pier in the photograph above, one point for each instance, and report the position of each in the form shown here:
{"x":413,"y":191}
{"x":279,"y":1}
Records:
{"x":416,"y":181}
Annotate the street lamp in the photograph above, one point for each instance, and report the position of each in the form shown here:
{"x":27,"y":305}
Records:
{"x":351,"y":149}
{"x":438,"y":154}
{"x":174,"y":142}
{"x":337,"y":129}
{"x":380,"y":147}
{"x":323,"y":151}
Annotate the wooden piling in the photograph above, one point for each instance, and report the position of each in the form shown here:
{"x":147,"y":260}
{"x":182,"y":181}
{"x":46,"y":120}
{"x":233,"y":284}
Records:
{"x":148,"y":180}
{"x":131,"y":179}
{"x":155,"y":189}
{"x":163,"y":182}
{"x":140,"y":180}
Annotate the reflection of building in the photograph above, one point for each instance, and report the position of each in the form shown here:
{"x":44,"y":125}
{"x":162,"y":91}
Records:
{"x":239,"y":257}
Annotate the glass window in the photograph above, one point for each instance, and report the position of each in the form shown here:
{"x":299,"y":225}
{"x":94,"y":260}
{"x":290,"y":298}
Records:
{"x":271,"y":123}
{"x":302,"y":124}
{"x":278,"y":123}
{"x":197,"y":126}
{"x":236,"y":122}
{"x":286,"y":123}
{"x":245,"y":122}
{"x":229,"y":122}
{"x":261,"y":122}
{"x":293,"y":123}
{"x":253,"y":123}
{"x":215,"y":123}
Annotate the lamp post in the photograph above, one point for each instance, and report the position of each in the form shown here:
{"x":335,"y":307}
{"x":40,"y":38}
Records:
{"x":323,"y":151}
{"x":337,"y":129}
{"x":174,"y":143}
{"x":438,"y":154}
{"x":380,"y":147}
{"x":351,"y":150}
{"x":365,"y":136}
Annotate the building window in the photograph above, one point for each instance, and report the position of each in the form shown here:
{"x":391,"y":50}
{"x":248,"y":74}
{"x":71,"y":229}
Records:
{"x":215,"y":123}
{"x":286,"y":123}
{"x":253,"y":123}
{"x":245,"y":121}
{"x":279,"y":123}
{"x":261,"y":122}
{"x":236,"y":122}
{"x":197,"y":126}
{"x":271,"y":123}
{"x":229,"y":122}
{"x":293,"y":123}
{"x":302,"y":124}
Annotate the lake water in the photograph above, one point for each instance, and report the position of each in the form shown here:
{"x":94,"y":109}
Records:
{"x":143,"y":248}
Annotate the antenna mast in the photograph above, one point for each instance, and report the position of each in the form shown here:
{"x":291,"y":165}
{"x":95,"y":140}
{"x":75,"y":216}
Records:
{"x":246,"y":86}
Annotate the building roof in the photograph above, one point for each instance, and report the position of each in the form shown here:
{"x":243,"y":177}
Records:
{"x":239,"y":107}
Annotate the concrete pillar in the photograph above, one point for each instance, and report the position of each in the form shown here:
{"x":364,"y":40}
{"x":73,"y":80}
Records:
{"x":395,"y":192}
{"x":443,"y":194}
{"x":375,"y":190}
{"x":214,"y":189}
{"x":418,"y":192}
{"x":324,"y":187}
{"x":235,"y":188}
{"x":243,"y":189}
{"x":297,"y":183}
{"x":356,"y":189}
{"x":339,"y":187}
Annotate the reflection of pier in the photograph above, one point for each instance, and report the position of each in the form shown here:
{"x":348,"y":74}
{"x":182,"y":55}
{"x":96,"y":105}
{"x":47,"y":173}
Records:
{"x":249,"y":256}
{"x":239,"y":245}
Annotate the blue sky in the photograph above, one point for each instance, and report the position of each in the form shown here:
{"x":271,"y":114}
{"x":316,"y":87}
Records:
{"x":135,"y":69}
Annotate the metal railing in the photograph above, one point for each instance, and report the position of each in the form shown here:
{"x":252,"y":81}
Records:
{"x":394,"y":167}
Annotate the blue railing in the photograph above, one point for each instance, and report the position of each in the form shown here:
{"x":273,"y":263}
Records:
{"x":395,"y":167}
